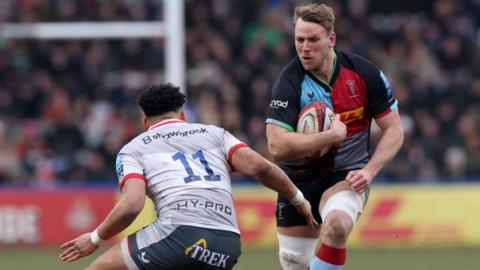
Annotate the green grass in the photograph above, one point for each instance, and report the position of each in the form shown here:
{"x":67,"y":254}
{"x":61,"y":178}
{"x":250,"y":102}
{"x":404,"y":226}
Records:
{"x":265,"y":259}
{"x":381,"y":259}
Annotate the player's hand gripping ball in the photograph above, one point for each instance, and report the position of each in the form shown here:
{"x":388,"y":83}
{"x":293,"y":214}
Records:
{"x":315,"y":117}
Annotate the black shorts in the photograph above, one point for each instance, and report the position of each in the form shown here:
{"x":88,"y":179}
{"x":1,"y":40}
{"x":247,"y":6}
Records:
{"x":288,"y":216}
{"x":186,"y":248}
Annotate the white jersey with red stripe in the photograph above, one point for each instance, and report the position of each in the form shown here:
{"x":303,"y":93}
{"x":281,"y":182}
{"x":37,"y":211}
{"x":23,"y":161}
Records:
{"x":186,"y":168}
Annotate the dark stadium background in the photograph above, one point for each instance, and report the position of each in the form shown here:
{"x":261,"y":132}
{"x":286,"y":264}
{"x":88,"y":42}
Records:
{"x":66,"y":107}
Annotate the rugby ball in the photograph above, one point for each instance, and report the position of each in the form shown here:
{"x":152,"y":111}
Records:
{"x":315,"y":117}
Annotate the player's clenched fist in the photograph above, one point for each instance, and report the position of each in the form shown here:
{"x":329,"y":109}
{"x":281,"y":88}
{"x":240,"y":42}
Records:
{"x":359,"y":180}
{"x":339,"y":129}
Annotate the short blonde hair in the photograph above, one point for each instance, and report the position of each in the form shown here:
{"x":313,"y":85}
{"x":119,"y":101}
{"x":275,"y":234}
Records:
{"x":316,"y":13}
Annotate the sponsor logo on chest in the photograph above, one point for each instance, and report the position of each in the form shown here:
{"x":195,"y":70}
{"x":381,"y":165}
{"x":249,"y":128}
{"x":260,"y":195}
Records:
{"x":276,"y":104}
{"x":353,"y":88}
{"x":352,"y":115}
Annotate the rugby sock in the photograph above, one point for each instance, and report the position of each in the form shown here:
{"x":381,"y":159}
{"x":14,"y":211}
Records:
{"x":328,"y":258}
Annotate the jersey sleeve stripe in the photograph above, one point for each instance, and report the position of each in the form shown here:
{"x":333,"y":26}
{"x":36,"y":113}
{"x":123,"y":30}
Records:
{"x":380,"y":115}
{"x":279,"y":123}
{"x":394,"y":105}
{"x":233,"y":150}
{"x":131,"y":176}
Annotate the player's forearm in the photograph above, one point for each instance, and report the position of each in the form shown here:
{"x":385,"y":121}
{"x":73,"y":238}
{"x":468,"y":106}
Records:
{"x":274,"y":178}
{"x":119,"y":218}
{"x":249,"y":162}
{"x":387,"y":148}
{"x":292,"y":145}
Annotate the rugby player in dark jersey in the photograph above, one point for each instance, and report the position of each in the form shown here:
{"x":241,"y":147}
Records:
{"x":337,"y":184}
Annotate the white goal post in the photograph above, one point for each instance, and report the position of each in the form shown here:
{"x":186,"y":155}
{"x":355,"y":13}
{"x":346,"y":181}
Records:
{"x":172,"y":29}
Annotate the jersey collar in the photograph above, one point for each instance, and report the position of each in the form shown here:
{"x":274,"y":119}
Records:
{"x":333,"y":75}
{"x":164,"y":122}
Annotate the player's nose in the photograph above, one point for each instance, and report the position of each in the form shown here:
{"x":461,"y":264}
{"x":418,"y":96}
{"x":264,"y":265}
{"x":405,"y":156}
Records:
{"x":306,"y":46}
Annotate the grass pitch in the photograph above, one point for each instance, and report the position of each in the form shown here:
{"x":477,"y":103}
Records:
{"x":266,"y":259}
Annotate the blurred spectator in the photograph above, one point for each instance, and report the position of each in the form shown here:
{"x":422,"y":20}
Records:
{"x":67,"y":106}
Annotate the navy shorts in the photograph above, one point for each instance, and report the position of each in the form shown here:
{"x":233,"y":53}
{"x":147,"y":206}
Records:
{"x":186,"y":248}
{"x":288,"y":216}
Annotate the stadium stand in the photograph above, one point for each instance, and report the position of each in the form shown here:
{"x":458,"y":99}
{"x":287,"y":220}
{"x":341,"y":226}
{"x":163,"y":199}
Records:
{"x":66,"y":107}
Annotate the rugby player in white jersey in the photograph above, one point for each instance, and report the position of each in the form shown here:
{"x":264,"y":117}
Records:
{"x":185,"y":169}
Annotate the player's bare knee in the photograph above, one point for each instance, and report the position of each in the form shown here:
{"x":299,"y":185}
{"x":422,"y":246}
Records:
{"x":337,"y":228}
{"x":339,"y":213}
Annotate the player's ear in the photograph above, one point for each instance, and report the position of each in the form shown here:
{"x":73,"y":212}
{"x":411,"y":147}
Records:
{"x":332,"y":38}
{"x":182,"y":116}
{"x":145,"y":123}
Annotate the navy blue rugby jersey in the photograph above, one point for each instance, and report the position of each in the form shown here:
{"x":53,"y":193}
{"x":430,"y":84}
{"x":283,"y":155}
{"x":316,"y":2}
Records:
{"x":358,"y":90}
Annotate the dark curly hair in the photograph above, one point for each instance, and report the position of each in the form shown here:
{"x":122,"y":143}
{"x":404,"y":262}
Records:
{"x":159,"y":99}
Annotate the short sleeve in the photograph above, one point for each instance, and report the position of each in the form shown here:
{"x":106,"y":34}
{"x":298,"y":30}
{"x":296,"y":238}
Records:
{"x":231,"y":144}
{"x":381,"y":100}
{"x":128,"y":167}
{"x":284,"y":106}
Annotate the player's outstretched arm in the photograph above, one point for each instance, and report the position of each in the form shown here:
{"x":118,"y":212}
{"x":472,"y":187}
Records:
{"x":387,"y":148}
{"x":285,"y":145}
{"x":120,"y":217}
{"x":249,"y":162}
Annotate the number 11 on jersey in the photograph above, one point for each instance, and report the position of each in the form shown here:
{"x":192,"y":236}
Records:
{"x":211,"y":176}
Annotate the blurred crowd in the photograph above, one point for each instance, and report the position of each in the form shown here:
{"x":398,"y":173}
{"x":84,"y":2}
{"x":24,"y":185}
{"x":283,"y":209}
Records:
{"x":67,"y":107}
